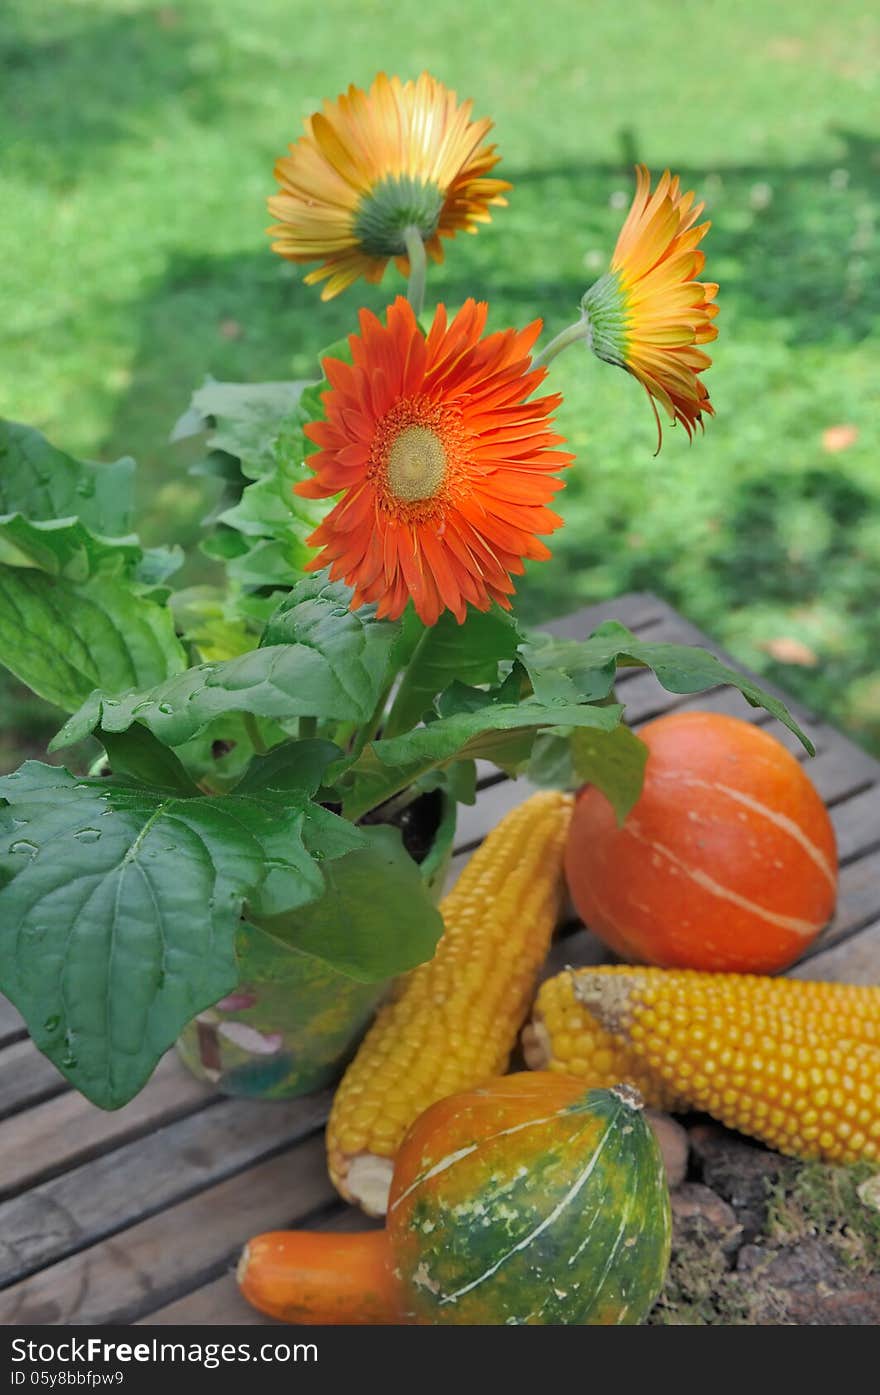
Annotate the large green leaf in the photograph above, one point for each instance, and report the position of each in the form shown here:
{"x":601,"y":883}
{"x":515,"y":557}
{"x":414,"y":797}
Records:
{"x":498,"y":731}
{"x":42,"y":482}
{"x":318,"y":658}
{"x":64,"y":639}
{"x":573,"y":670}
{"x":64,"y":548}
{"x":118,"y":924}
{"x":470,"y":653}
{"x":375,"y":919}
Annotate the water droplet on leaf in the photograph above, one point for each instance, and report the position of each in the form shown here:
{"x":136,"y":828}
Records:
{"x":23,"y":845}
{"x":51,"y":1023}
{"x":87,"y":835}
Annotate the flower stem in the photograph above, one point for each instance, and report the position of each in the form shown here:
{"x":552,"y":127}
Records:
{"x":418,"y":268}
{"x":253,"y":731}
{"x":393,"y":725}
{"x":574,"y":334}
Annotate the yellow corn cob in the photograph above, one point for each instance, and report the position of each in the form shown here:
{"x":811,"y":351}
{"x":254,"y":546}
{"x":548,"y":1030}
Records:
{"x":791,"y":1062}
{"x":564,"y":1036}
{"x":453,"y":1021}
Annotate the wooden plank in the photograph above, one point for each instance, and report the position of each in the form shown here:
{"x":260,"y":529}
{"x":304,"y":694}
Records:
{"x":858,"y":903}
{"x":857,"y":824}
{"x":217,"y":1304}
{"x":26,"y":1077}
{"x":64,"y":1131}
{"x":11,"y":1022}
{"x":476,"y":820}
{"x":856,"y":960}
{"x":638,"y":611}
{"x":841,"y":771}
{"x":120,"y":1188}
{"x":220,"y":1304}
{"x":579,"y":950}
{"x":175,"y":1251}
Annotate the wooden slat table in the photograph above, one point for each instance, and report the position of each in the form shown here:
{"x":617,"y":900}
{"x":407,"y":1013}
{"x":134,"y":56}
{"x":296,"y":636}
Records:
{"x":139,"y":1216}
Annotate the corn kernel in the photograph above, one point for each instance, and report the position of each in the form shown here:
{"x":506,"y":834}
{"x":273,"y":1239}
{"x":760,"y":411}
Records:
{"x":453,"y":1021}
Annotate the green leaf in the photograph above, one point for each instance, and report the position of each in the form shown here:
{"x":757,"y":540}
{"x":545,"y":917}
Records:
{"x":376,"y":918}
{"x":562,"y":667}
{"x":220,"y":754}
{"x":136,"y":756}
{"x":501,"y":732}
{"x":319,"y":660}
{"x":64,"y":639}
{"x":118,"y":924}
{"x":42,"y":482}
{"x":64,"y":548}
{"x":613,"y":761}
{"x":295,"y":768}
{"x":259,"y":426}
{"x":470,"y":653}
{"x":242,"y":419}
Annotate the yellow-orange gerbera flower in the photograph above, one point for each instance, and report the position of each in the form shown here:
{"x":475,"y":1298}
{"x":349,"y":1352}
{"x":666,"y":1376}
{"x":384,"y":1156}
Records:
{"x":443,"y":460}
{"x":370,"y":165}
{"x":650,"y":312}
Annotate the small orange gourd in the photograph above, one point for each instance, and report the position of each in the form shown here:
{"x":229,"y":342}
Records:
{"x":320,"y":1279}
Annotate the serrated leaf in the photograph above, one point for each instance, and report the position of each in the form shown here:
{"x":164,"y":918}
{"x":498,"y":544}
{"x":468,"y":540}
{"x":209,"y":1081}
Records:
{"x":318,"y":659}
{"x":257,"y":428}
{"x":64,"y":548}
{"x":242,"y":419}
{"x":42,"y":482}
{"x":500,"y":732}
{"x":564,"y":666}
{"x":375,"y":919}
{"x":470,"y":653}
{"x":64,"y":639}
{"x":119,"y":923}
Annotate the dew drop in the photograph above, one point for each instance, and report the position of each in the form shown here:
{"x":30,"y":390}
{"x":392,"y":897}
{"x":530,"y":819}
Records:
{"x":111,"y":702}
{"x":23,"y":845}
{"x":165,"y":708}
{"x":88,"y":835}
{"x":69,"y":1061}
{"x":318,"y":855}
{"x":51,"y":1023}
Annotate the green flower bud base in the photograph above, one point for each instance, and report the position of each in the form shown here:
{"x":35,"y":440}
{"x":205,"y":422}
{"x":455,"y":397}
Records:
{"x":603,"y":308}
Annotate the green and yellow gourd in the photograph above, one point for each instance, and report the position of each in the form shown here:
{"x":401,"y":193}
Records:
{"x":530,"y":1201}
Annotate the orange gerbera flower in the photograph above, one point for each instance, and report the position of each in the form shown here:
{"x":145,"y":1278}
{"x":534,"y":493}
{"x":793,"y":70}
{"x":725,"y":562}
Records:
{"x":372,"y":164}
{"x":650,"y":312}
{"x":443,"y":459}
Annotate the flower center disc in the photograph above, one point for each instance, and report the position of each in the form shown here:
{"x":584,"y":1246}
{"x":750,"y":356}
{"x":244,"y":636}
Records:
{"x":416,"y":464}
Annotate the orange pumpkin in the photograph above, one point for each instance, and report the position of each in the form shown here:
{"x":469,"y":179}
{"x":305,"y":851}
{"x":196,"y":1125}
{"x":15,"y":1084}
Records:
{"x":728,"y":860}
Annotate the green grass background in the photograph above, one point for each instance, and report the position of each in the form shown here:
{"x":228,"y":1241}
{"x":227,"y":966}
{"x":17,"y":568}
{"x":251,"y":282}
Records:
{"x":138,"y":142}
